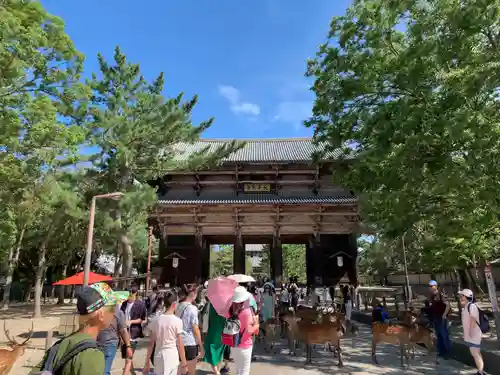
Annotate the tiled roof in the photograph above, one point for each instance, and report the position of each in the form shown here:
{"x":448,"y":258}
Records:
{"x":261,"y":150}
{"x":264,"y":199}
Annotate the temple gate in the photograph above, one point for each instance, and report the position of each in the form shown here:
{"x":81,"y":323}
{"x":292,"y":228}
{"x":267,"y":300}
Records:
{"x":269,"y":192}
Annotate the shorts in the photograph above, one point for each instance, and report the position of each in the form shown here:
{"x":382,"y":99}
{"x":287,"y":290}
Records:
{"x":471,"y":345}
{"x":123,"y":348}
{"x":191,"y":352}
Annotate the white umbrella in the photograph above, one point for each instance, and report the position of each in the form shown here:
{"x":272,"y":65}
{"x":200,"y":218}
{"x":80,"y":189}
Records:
{"x":240,"y":278}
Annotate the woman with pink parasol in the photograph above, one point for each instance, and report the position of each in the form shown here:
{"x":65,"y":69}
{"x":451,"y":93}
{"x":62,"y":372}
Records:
{"x":219,"y":293}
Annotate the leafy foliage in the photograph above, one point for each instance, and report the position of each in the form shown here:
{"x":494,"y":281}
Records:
{"x":410,"y":89}
{"x":48,"y":116}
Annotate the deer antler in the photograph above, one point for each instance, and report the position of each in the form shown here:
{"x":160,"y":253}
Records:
{"x":6,"y":331}
{"x":13,"y":340}
{"x":30,"y":334}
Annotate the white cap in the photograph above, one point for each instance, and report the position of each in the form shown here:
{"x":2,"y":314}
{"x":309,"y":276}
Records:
{"x":240,"y":294}
{"x":466,"y":293}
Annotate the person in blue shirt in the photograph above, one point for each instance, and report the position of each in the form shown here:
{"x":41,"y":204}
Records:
{"x":379,"y":315}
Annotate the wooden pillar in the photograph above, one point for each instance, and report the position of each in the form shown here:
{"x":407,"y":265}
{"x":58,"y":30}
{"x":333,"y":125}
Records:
{"x":352,"y":271}
{"x":310,"y":271}
{"x":203,"y":268}
{"x":313,"y":262}
{"x":165,"y":275}
{"x":239,"y":255}
{"x":205,"y":261}
{"x":277,"y":261}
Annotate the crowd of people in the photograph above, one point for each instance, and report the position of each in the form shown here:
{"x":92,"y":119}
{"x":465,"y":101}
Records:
{"x":184,"y":328}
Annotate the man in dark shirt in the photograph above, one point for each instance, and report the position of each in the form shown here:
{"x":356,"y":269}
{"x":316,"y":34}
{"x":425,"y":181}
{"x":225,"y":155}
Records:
{"x":152,"y":301}
{"x":135,"y":314}
{"x":438,"y":314}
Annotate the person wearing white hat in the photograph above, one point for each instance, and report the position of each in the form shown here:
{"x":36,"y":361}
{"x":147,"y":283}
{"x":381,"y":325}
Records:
{"x":249,"y":325}
{"x":470,"y":324}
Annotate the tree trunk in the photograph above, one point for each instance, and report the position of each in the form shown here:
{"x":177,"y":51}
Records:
{"x":477,"y":279}
{"x":13,"y":260}
{"x":455,"y":283}
{"x":127,"y":254}
{"x":62,"y":288}
{"x":463,"y":280}
{"x":474,"y":282}
{"x":118,"y":259}
{"x":40,"y":271}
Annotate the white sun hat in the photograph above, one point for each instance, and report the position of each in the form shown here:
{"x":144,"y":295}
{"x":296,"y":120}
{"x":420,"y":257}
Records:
{"x":240,"y":294}
{"x":467,"y":293}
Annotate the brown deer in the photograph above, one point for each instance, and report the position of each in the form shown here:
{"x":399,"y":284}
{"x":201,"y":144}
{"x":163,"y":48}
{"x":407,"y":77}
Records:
{"x":9,"y":357}
{"x":315,"y":333}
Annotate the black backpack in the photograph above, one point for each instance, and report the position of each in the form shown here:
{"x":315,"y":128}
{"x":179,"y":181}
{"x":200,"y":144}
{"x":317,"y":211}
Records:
{"x":51,"y":368}
{"x":483,"y":323}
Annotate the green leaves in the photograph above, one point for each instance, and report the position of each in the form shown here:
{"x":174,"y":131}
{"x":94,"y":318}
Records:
{"x":413,"y":88}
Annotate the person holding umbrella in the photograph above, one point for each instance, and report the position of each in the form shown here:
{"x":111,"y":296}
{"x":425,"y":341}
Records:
{"x":248,"y":327}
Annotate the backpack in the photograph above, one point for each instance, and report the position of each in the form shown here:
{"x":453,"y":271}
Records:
{"x":49,"y":368}
{"x":483,"y":323}
{"x":231,"y":335}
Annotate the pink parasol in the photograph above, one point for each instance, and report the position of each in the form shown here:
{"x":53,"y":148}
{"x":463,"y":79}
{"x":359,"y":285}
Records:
{"x":220,"y":294}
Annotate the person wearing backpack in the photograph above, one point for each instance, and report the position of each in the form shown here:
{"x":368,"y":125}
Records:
{"x":239,"y":330}
{"x":191,"y":335}
{"x":79,"y":353}
{"x":474,"y":322}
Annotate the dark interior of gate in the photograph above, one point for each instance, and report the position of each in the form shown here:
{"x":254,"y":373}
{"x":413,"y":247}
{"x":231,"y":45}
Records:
{"x":268,"y":192}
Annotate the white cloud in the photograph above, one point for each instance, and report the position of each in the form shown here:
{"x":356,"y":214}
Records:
{"x":238,"y":106}
{"x":293,"y":112}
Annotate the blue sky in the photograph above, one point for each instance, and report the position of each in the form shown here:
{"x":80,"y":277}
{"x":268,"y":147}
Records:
{"x":245,"y":59}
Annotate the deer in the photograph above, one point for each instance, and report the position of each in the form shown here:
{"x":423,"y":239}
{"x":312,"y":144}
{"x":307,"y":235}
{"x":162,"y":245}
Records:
{"x":315,"y":333}
{"x":421,"y":334}
{"x":9,"y":357}
{"x":398,"y":333}
{"x":270,"y":333}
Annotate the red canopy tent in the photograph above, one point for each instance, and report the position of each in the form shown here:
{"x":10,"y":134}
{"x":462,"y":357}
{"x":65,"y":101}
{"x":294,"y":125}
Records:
{"x":78,"y":279}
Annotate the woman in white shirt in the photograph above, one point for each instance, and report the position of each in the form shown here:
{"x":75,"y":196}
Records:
{"x":470,"y":324}
{"x":165,"y":337}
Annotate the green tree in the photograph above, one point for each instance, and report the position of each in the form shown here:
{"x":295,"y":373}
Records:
{"x":135,"y":129}
{"x":294,"y":262}
{"x":265,"y":261}
{"x":39,"y":72}
{"x":221,"y":260}
{"x":410,"y":89}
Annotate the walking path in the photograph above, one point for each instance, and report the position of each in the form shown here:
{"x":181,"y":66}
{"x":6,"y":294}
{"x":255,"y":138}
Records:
{"x":357,"y":361}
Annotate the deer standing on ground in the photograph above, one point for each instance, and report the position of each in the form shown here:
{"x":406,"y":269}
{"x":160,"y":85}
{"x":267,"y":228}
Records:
{"x":9,"y":357}
{"x":311,"y":333}
{"x":398,"y":333}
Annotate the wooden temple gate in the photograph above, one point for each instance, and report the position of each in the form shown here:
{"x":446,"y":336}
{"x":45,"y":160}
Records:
{"x":268,"y":192}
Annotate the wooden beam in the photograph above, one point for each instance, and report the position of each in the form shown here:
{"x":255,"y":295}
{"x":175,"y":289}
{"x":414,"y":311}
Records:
{"x":237,"y":181}
{"x":242,"y":213}
{"x":232,"y":172}
{"x":253,"y":224}
{"x":256,"y":231}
